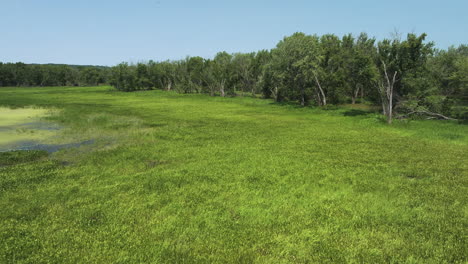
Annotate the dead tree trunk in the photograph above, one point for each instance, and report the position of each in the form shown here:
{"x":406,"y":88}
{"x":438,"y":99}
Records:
{"x":427,"y":113}
{"x":321,"y":96}
{"x":386,"y":93}
{"x":317,"y":97}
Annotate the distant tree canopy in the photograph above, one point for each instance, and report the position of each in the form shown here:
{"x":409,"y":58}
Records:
{"x":405,"y":76}
{"x":20,"y":74}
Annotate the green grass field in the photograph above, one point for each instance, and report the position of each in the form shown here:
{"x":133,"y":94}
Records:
{"x":177,"y":178}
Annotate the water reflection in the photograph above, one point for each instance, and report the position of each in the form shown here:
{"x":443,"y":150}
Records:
{"x":50,"y":148}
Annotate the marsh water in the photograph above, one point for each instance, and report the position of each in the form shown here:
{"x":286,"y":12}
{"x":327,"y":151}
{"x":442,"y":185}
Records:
{"x":26,"y":129}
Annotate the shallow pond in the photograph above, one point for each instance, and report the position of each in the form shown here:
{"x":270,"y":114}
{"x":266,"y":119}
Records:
{"x":25,"y":129}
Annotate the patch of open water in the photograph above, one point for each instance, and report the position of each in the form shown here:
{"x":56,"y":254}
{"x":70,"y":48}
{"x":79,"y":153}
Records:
{"x":22,"y":129}
{"x":50,"y":148}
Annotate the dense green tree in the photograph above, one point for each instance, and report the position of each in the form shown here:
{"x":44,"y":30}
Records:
{"x":450,"y":71}
{"x":20,"y":74}
{"x":403,"y":70}
{"x":196,"y":66}
{"x":358,"y":68}
{"x":447,"y":67}
{"x":331,"y":65}
{"x":209,"y":78}
{"x":221,"y":66}
{"x":168,"y":75}
{"x":294,"y":65}
{"x":262,"y":83}
{"x":243,"y":72}
{"x":142,"y":79}
{"x":124,"y":77}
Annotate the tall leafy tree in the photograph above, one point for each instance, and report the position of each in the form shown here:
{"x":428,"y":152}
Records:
{"x":124,"y":77}
{"x":402,"y":66}
{"x":295,"y":62}
{"x":242,"y":66}
{"x":221,"y":66}
{"x":330,"y":71}
{"x":358,"y":68}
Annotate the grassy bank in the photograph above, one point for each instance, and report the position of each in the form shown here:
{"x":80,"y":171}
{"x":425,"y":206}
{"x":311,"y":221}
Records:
{"x":190,"y":178}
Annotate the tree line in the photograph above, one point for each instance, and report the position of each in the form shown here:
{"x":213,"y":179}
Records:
{"x":405,"y":76}
{"x":21,"y":74}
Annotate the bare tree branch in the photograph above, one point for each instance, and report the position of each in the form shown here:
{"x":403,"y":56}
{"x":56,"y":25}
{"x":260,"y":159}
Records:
{"x":436,"y":115}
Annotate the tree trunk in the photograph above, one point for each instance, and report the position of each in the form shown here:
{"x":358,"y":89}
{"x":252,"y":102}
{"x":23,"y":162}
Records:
{"x":389,"y":116}
{"x":383,"y":98}
{"x":324,"y":99}
{"x":274,"y":92}
{"x":212,"y":90}
{"x":302,"y":95}
{"x":386,"y":93}
{"x":169,"y":85}
{"x":355,"y":95}
{"x":252,"y":89}
{"x":317,"y":96}
{"x":390,"y":106}
{"x":221,"y":88}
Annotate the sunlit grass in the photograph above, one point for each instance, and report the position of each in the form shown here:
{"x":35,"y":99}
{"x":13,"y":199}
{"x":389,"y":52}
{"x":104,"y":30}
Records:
{"x":191,"y":178}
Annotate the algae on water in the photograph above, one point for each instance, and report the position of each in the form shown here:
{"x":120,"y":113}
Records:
{"x":23,"y":125}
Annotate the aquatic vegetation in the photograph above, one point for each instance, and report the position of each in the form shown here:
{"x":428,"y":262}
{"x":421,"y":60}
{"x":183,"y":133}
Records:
{"x":23,"y":124}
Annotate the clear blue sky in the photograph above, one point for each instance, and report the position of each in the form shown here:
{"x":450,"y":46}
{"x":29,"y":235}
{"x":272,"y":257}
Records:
{"x":106,"y":32}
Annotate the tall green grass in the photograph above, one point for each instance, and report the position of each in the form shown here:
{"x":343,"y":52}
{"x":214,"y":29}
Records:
{"x":196,"y":179}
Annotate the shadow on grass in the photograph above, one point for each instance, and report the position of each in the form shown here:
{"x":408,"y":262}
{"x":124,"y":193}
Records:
{"x":21,"y":156}
{"x":356,"y":112}
{"x":292,"y":104}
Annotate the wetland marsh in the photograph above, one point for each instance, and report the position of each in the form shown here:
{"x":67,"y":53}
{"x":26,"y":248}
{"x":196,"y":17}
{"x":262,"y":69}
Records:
{"x":191,"y":178}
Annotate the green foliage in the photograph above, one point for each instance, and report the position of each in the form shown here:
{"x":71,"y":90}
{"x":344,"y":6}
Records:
{"x":221,"y":72}
{"x":403,"y":71}
{"x":450,"y":70}
{"x":186,"y":178}
{"x":294,"y":65}
{"x":332,"y":67}
{"x":20,"y":74}
{"x":307,"y":69}
{"x":358,"y":69}
{"x":244,"y":75}
{"x":318,"y":69}
{"x":409,"y":59}
{"x":124,"y":78}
